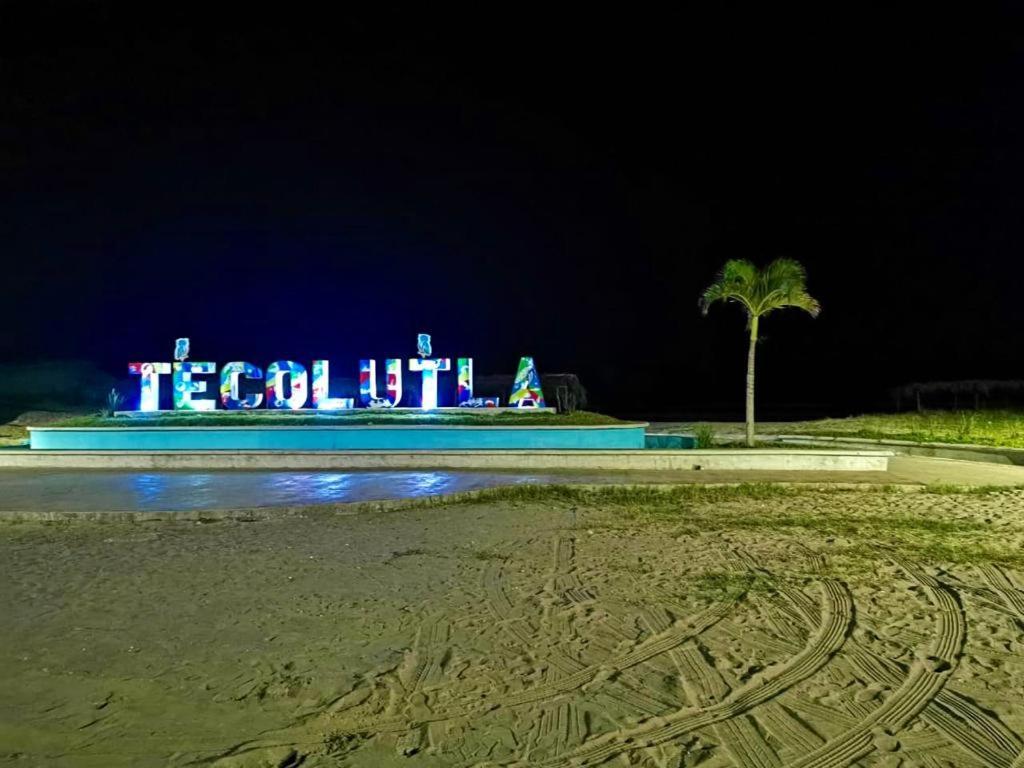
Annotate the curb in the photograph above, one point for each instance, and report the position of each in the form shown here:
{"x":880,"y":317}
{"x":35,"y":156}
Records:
{"x":533,"y":460}
{"x":985,"y":454}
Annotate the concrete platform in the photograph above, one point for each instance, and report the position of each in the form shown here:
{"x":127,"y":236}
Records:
{"x":612,"y":460}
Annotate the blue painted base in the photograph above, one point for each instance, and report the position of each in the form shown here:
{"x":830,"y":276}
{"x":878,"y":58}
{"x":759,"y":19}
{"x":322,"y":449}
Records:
{"x":670,"y":442}
{"x":311,"y":438}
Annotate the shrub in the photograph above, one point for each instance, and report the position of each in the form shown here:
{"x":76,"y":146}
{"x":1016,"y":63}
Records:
{"x":965,"y":425}
{"x":705,"y":435}
{"x":113,"y":403}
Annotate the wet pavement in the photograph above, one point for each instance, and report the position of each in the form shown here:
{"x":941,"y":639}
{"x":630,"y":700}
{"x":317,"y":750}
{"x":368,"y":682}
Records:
{"x":83,"y":491}
{"x":76,"y":492}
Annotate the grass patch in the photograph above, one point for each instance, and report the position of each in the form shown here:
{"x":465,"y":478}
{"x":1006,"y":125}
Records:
{"x":1000,"y":428}
{"x":947,"y":489}
{"x":11,"y":434}
{"x":693,"y":510}
{"x":831,"y":524}
{"x":408,"y":553}
{"x":487,"y":555}
{"x":664,"y":498}
{"x":719,"y":585}
{"x":617,"y":495}
{"x":866,"y":537}
{"x":341,"y":743}
{"x":741,"y":445}
{"x":356,"y":417}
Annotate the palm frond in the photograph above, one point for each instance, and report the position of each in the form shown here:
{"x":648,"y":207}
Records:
{"x":782,"y":283}
{"x":733,"y":283}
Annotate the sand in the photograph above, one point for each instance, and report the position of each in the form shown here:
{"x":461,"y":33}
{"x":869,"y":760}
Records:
{"x":791,"y":629}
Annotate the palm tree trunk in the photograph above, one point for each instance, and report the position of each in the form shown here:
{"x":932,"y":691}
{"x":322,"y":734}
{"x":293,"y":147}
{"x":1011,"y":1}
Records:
{"x":750,"y":381}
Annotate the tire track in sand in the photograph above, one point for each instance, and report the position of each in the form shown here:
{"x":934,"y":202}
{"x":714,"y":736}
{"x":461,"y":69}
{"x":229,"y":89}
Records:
{"x":679,"y":633}
{"x":954,"y":716}
{"x":675,"y":636}
{"x":1013,"y":598}
{"x":564,"y":579}
{"x":430,"y":650}
{"x":958,"y":719}
{"x":704,"y":685}
{"x":522,"y":628}
{"x":837,"y":620}
{"x":503,"y":609}
{"x":927,"y":677}
{"x":1004,"y":588}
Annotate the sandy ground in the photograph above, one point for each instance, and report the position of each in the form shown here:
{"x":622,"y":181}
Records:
{"x":796,"y":628}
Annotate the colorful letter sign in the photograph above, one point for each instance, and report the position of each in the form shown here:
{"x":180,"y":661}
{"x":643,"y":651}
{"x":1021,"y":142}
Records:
{"x":149,"y":385}
{"x":429,"y":367}
{"x":296,"y":374}
{"x":185,"y":387}
{"x":465,"y":369}
{"x":229,"y":387}
{"x":286,"y":376}
{"x":526,"y":391}
{"x":368,"y":383}
{"x":322,"y":401}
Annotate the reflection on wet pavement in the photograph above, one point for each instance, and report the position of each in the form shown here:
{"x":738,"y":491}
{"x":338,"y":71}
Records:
{"x":23,"y":490}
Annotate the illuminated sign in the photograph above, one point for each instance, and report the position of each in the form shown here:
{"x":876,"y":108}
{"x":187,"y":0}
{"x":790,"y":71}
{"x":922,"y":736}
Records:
{"x":286,"y":384}
{"x":526,"y":391}
{"x":149,"y":394}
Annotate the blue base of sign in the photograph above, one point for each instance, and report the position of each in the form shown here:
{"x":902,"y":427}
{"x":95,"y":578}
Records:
{"x":670,"y":442}
{"x":313,"y":438}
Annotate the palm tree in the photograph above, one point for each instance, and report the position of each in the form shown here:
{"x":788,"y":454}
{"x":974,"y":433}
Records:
{"x":783,"y":283}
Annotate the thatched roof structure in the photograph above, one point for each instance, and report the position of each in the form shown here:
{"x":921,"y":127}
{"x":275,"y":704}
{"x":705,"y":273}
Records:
{"x":563,"y":390}
{"x":969,"y":390}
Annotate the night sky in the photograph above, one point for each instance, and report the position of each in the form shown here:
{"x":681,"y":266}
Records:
{"x":297,"y":186}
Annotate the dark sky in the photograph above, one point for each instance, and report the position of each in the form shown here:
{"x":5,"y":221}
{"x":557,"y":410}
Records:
{"x":299,"y":186}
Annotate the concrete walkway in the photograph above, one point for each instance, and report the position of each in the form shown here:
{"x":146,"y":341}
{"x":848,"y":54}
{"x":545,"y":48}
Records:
{"x":777,"y":433}
{"x":903,"y":471}
{"x":28,"y":494}
{"x":961,"y":465}
{"x":914,"y":470}
{"x":79,"y":492}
